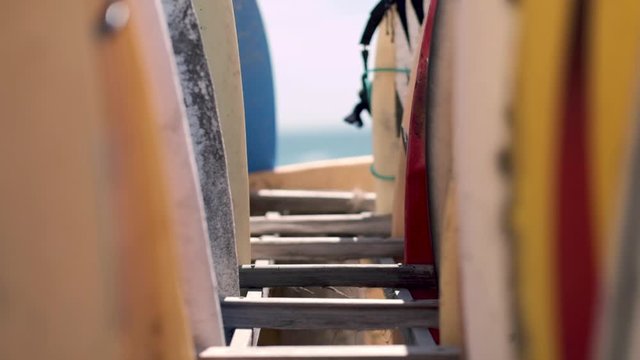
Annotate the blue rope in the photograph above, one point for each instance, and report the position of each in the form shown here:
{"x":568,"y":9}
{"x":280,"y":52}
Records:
{"x":380,"y":176}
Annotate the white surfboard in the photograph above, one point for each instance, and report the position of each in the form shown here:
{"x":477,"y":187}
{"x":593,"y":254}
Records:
{"x":220,"y":42}
{"x":484,"y":56}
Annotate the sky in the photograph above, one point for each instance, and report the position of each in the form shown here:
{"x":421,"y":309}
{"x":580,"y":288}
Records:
{"x":316,"y":60}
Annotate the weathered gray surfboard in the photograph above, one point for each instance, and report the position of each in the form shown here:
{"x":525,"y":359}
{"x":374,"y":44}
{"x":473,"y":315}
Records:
{"x":199,"y":100}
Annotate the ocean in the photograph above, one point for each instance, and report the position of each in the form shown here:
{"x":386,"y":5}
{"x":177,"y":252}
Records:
{"x":303,"y":145}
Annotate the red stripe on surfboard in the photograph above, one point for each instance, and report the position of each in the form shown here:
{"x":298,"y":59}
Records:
{"x":418,"y":248}
{"x":575,"y":234}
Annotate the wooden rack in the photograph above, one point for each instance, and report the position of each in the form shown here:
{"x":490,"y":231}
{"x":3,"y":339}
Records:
{"x":325,"y":227}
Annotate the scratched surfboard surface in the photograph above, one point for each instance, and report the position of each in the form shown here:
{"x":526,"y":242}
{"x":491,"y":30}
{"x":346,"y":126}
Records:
{"x":484,"y":57}
{"x":97,"y":192}
{"x":206,"y":135}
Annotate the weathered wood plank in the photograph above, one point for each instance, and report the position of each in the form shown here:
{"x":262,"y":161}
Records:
{"x":246,"y":337}
{"x":349,"y":224}
{"x":369,"y":352}
{"x":324,"y":248}
{"x":311,"y":202}
{"x":321,"y":313}
{"x":206,"y":139}
{"x":355,"y":275}
{"x":343,"y":174}
{"x":249,"y":337}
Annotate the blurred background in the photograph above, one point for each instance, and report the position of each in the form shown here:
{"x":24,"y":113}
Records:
{"x":317,"y":76}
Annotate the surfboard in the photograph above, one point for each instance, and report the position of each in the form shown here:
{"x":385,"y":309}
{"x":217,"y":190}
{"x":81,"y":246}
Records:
{"x":218,"y":30}
{"x":90,"y":199}
{"x":398,"y":215}
{"x":407,"y":28}
{"x":386,"y":139}
{"x":545,"y":52}
{"x":619,"y":327}
{"x":197,"y":275}
{"x":439,"y":155}
{"x":257,"y":86}
{"x":484,"y":58}
{"x":53,"y":226}
{"x":418,"y":237}
{"x":204,"y":124}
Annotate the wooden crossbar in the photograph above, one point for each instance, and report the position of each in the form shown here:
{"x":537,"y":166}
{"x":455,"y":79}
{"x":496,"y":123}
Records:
{"x":353,"y":275}
{"x":311,"y":201}
{"x":360,"y":352}
{"x":249,"y":337}
{"x":302,"y":225}
{"x":324,"y":248}
{"x":314,"y":313}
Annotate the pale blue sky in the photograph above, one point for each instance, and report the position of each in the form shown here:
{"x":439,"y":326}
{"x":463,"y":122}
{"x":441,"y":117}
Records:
{"x":316,"y":59}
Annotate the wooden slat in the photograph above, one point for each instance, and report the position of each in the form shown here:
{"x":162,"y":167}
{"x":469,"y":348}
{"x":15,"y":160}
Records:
{"x":418,"y":335}
{"x":369,"y":352}
{"x":349,"y":224}
{"x":311,"y":202}
{"x":249,"y":337}
{"x":355,"y":275}
{"x":324,"y":248}
{"x":322,"y":313}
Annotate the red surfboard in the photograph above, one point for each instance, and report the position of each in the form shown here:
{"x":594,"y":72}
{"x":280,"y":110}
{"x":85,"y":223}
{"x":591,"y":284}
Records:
{"x":418,"y":245}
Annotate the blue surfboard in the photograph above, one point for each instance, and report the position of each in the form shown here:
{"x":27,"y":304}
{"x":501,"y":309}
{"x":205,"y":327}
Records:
{"x":257,"y":86}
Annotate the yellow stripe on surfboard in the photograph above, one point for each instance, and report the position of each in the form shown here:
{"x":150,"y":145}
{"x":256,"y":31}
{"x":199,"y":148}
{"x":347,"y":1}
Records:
{"x":543,"y":50}
{"x":614,"y":62}
{"x":220,"y":42}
